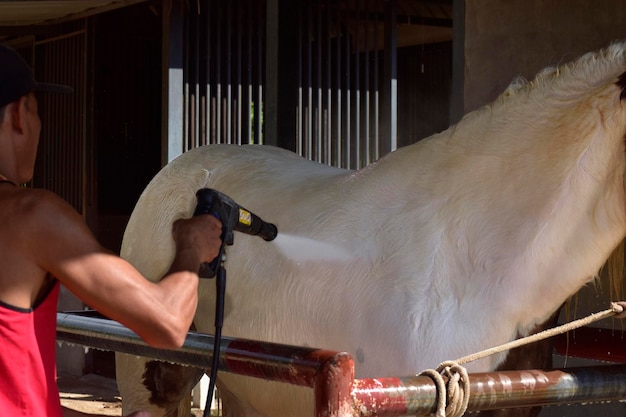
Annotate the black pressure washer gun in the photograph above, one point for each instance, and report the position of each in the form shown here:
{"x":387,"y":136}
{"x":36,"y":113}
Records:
{"x":233,"y":218}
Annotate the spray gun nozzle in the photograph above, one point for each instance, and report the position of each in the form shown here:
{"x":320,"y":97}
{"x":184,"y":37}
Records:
{"x":252,"y":224}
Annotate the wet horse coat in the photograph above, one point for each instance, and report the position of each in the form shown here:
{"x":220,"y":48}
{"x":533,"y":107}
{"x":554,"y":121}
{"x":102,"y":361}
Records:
{"x":458,"y":243}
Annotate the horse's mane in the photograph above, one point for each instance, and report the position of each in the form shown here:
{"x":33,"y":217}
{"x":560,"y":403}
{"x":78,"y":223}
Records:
{"x":588,"y":72}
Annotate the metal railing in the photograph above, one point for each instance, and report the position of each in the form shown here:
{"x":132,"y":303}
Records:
{"x":331,"y":374}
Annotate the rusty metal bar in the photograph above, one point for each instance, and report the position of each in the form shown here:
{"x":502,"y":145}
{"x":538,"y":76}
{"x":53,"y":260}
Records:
{"x":415,"y":396}
{"x":331,"y":374}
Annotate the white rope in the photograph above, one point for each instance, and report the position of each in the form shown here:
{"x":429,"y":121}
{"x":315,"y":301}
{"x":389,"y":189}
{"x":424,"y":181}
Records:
{"x":617,"y":310}
{"x":453,"y":395}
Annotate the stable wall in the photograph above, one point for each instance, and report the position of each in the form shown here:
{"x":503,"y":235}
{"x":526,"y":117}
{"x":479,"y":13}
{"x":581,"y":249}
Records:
{"x":508,"y":38}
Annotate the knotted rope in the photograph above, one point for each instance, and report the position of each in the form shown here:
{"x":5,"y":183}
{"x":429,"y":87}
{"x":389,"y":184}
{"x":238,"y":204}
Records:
{"x":453,"y":395}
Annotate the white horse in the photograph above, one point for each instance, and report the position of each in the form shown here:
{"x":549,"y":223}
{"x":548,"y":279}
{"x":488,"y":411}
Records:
{"x":457,"y":243}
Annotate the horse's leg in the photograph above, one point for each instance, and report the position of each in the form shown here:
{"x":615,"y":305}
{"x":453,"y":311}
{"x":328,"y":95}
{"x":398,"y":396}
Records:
{"x":159,"y":387}
{"x":232,"y":406}
{"x":534,"y":356}
{"x":170,"y":385}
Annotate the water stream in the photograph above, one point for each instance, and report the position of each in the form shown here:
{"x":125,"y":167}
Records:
{"x":303,"y":249}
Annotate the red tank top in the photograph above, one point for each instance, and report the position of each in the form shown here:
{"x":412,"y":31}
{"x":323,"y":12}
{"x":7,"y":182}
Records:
{"x":28,"y":359}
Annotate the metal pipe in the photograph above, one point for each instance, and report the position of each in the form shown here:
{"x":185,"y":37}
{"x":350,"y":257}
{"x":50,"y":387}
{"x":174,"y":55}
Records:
{"x":331,"y":374}
{"x":272,"y":361}
{"x":416,"y":396}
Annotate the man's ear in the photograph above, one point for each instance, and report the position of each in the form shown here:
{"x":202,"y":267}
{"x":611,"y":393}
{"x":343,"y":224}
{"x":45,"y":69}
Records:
{"x":17,"y":113}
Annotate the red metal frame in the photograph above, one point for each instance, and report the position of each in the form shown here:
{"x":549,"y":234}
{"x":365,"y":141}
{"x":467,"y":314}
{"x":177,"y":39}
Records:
{"x":331,"y":374}
{"x":608,"y":345}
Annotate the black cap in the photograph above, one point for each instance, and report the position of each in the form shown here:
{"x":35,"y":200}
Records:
{"x":16,"y":78}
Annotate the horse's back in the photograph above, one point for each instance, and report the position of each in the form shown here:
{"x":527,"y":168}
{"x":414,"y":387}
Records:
{"x":261,"y":178}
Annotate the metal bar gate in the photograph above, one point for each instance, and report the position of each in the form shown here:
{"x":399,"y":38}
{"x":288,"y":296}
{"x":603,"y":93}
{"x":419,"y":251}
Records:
{"x":331,"y":374}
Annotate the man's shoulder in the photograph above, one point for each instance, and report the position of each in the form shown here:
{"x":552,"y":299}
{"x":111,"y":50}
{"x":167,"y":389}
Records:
{"x":36,"y":202}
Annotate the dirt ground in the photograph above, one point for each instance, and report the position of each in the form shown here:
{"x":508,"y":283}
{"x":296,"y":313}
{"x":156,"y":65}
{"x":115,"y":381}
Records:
{"x":92,"y":396}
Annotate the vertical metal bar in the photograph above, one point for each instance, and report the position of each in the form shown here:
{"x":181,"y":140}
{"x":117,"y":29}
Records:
{"x":376,"y":90}
{"x":348,"y":122}
{"x":457,"y":101}
{"x":309,"y":52}
{"x":338,"y":85}
{"x":318,"y":83}
{"x":209,"y":61}
{"x":229,"y":78}
{"x":202,"y":134}
{"x":329,"y":107}
{"x":357,"y":88}
{"x":186,"y":126}
{"x":87,"y":126}
{"x":258,"y":108}
{"x":218,"y":75}
{"x":391,"y":75}
{"x":195,"y":140}
{"x":188,"y":75}
{"x":249,"y":100}
{"x":333,"y":384}
{"x":366,"y":81}
{"x":300,"y":110}
{"x":172,"y":139}
{"x":238,"y":127}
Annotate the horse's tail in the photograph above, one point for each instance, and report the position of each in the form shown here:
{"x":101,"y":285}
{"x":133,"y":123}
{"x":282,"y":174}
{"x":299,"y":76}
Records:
{"x":615,"y":271}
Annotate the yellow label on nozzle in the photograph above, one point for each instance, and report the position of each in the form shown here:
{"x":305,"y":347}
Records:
{"x":245,"y":217}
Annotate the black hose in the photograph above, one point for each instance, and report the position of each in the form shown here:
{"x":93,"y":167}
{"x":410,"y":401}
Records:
{"x":220,"y":289}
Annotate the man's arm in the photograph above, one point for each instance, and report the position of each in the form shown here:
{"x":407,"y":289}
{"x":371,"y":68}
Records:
{"x":160,"y":313}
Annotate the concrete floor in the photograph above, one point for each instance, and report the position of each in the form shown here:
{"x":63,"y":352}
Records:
{"x":92,"y":396}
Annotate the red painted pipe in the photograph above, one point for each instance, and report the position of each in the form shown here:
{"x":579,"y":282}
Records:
{"x":333,"y":386}
{"x":331,"y":374}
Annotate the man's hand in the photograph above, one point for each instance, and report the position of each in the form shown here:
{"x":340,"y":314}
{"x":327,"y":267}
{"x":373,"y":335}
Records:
{"x":200,"y":234}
